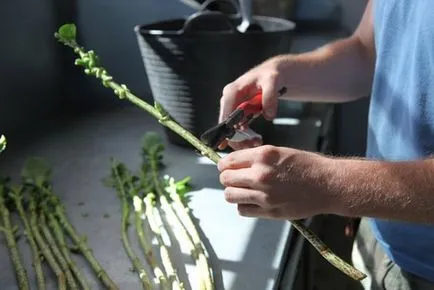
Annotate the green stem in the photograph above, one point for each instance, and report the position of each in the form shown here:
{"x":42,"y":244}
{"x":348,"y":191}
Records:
{"x":81,"y":243}
{"x":153,"y":217}
{"x":145,"y":243}
{"x":139,"y":268}
{"x":183,"y":213}
{"x":180,"y":232}
{"x":21,"y":273}
{"x":43,"y":245}
{"x":89,"y":61}
{"x":183,"y":238}
{"x":60,"y":238}
{"x":56,"y":251}
{"x":17,"y":196}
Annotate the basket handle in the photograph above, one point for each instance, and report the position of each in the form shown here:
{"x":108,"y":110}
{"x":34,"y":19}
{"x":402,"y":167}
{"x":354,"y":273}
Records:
{"x":208,"y":21}
{"x":205,"y":5}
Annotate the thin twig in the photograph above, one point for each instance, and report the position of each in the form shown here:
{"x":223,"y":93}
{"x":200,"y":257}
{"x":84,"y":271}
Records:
{"x":180,"y":232}
{"x":60,"y":238}
{"x":17,"y":195}
{"x":156,"y":226}
{"x":36,"y":173}
{"x":7,"y":229}
{"x":138,"y":267}
{"x":183,"y":214}
{"x":48,"y":255}
{"x":56,"y":251}
{"x":145,"y":243}
{"x":84,"y":248}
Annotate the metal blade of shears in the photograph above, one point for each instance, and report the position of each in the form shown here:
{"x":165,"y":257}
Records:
{"x":243,"y":115}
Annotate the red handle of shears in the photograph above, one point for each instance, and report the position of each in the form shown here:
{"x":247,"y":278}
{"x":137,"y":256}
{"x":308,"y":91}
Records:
{"x":252,"y":106}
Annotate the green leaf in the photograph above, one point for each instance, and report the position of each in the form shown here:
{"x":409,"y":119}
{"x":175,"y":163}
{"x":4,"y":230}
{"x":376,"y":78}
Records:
{"x":151,"y":140}
{"x":2,"y":143}
{"x":153,"y":147}
{"x":36,"y":171}
{"x":68,"y":32}
{"x":183,"y":182}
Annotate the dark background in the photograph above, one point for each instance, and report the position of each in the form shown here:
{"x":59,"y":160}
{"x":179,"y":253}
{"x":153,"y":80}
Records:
{"x":38,"y":78}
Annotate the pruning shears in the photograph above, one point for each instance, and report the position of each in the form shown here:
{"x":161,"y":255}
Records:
{"x":233,"y":127}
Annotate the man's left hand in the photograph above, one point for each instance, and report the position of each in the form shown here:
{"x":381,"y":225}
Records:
{"x":276,"y":182}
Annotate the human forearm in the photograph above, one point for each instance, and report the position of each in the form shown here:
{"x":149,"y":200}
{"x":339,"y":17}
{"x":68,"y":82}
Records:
{"x":337,"y":72}
{"x":390,"y":190}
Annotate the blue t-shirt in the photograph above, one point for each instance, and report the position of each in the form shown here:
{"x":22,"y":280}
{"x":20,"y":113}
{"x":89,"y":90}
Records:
{"x":401,"y":117}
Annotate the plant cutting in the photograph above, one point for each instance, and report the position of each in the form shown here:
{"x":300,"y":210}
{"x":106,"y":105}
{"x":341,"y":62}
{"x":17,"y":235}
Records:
{"x":175,"y":211}
{"x":145,"y":243}
{"x":42,"y":244}
{"x":56,"y":251}
{"x":157,"y":227}
{"x":60,"y":239}
{"x":176,"y":191}
{"x":139,"y":216}
{"x":121,"y":181}
{"x":145,"y":206}
{"x":90,"y":61}
{"x":9,"y":233}
{"x":17,"y":195}
{"x":36,"y":174}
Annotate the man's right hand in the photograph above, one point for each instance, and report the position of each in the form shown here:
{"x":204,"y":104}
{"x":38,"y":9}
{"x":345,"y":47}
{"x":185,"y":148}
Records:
{"x":340,"y":71}
{"x":266,"y":78}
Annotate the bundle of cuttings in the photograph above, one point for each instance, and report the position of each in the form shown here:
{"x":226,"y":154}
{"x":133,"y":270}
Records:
{"x":160,"y":204}
{"x":48,"y":232}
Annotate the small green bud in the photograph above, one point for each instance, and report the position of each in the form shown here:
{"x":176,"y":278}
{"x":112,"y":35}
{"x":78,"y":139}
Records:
{"x":97,"y":72}
{"x":106,"y":79}
{"x":79,"y":62}
{"x":164,"y":114}
{"x":122,"y":92}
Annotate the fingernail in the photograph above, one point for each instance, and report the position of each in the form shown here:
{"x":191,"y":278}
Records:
{"x":219,"y":165}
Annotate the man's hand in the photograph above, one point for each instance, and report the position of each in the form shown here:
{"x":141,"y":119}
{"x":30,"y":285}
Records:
{"x":267,"y":78}
{"x":275,"y":182}
{"x":340,"y":71}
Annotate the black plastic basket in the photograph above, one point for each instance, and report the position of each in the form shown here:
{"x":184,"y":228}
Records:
{"x":189,"y":61}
